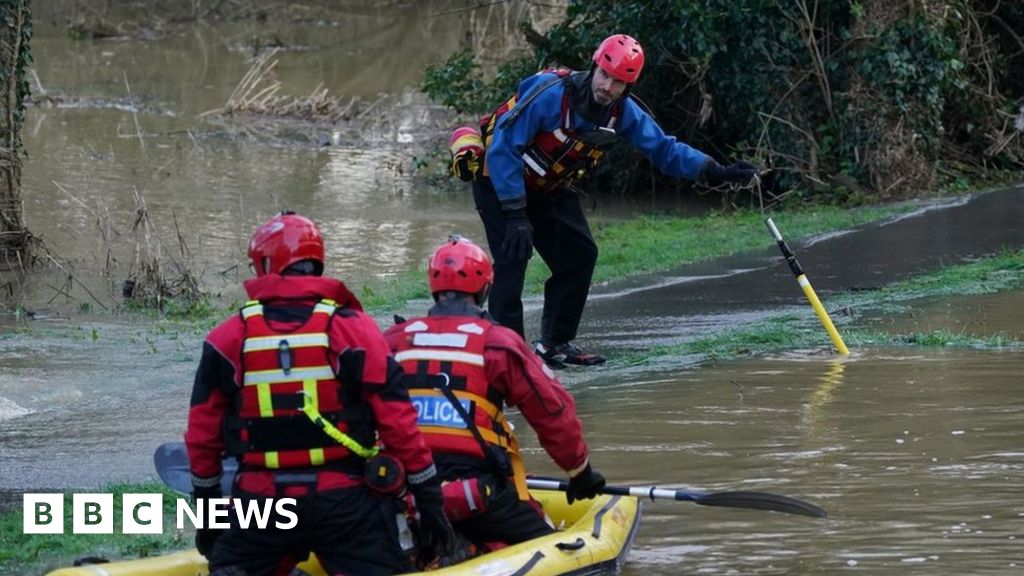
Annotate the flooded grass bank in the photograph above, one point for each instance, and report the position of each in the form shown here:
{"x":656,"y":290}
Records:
{"x":851,"y":313}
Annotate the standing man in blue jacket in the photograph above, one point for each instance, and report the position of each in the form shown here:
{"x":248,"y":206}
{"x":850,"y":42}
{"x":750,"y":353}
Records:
{"x":557,"y":125}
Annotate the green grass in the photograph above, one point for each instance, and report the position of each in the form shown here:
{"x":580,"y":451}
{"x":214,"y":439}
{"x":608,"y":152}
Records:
{"x":1002,"y":272}
{"x":34,"y":553}
{"x":656,"y":243}
{"x":650,"y":244}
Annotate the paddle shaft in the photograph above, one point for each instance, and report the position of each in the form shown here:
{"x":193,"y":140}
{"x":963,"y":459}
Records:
{"x":171,"y":461}
{"x":739,"y":499}
{"x":805,"y":285}
{"x":652,"y":492}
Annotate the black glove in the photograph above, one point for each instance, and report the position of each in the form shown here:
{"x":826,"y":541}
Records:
{"x":739,"y":173}
{"x":518,"y":243}
{"x":585,"y":485}
{"x":437,"y":537}
{"x":206,"y":537}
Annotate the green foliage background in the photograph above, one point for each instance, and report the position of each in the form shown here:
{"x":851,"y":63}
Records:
{"x":847,"y":101}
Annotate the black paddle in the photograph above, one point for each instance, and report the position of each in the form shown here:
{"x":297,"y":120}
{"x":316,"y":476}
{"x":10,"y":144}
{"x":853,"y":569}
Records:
{"x":755,"y":500}
{"x":171,"y":463}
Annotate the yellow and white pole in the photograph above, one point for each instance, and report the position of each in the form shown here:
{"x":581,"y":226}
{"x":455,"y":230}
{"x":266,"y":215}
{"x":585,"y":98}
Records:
{"x":805,"y":284}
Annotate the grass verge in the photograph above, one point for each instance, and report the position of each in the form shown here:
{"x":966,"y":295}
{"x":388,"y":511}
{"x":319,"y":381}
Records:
{"x":1002,"y":272}
{"x":650,"y":244}
{"x":37,"y":553}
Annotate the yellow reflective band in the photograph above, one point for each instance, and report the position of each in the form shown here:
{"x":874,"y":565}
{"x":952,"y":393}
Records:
{"x":310,"y":395}
{"x":440,"y":355}
{"x":252,"y":309}
{"x":270,"y":460}
{"x":325,"y":307}
{"x":277,"y":376}
{"x":310,"y":410}
{"x":266,"y":401}
{"x":258,"y":343}
{"x":316,"y":456}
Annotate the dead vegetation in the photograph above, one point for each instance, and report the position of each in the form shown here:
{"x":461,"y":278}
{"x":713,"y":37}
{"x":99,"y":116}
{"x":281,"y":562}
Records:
{"x":259,"y":93}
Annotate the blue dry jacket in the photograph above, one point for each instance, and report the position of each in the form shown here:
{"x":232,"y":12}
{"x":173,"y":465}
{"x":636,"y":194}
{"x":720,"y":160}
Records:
{"x":544,"y":114}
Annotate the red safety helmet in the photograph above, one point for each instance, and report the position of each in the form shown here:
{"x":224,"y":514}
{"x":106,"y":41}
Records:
{"x":460,"y":265}
{"x":621,"y":57}
{"x":284,"y":240}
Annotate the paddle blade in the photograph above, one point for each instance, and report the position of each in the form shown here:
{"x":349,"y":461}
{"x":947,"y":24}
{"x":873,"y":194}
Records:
{"x":761,"y":501}
{"x":171,"y":462}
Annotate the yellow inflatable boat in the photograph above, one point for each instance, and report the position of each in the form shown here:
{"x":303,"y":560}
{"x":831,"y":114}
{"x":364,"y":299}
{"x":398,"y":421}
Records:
{"x":594,"y":538}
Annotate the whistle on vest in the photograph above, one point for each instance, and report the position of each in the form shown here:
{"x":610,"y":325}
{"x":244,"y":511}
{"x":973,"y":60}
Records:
{"x":385,"y":475}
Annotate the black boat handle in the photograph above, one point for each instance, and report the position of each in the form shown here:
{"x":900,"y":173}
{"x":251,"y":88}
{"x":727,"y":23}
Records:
{"x":579,"y":543}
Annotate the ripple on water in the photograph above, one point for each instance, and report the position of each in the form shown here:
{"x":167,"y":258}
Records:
{"x":10,"y":409}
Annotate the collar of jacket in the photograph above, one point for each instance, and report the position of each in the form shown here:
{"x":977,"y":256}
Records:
{"x":313,"y":288}
{"x":458,"y":307}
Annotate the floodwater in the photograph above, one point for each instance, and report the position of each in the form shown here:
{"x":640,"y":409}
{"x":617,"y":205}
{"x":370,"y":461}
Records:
{"x":915,"y":452}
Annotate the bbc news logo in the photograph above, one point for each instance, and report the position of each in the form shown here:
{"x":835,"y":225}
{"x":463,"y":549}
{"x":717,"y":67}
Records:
{"x":144,"y":513}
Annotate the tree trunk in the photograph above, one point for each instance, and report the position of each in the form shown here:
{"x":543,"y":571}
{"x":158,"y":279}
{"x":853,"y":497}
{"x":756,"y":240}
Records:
{"x":15,"y":31}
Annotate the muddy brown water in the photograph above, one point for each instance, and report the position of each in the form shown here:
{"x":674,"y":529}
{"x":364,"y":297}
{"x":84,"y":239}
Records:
{"x":916,"y":453}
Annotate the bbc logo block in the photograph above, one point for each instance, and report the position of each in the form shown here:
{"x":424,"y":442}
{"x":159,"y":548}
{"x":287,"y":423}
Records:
{"x":93,"y":514}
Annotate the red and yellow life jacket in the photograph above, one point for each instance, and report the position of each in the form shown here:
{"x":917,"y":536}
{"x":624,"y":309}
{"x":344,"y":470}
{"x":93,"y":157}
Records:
{"x":552,"y":159}
{"x":449,"y":351}
{"x":285,"y":377}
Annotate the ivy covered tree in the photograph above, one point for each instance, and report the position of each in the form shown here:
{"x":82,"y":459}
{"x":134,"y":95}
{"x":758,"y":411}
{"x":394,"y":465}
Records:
{"x":15,"y":32}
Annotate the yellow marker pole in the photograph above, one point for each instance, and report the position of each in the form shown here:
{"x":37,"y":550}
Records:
{"x":801,"y":279}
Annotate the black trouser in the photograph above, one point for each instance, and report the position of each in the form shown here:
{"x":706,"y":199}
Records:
{"x":352,"y":531}
{"x":562,"y":238}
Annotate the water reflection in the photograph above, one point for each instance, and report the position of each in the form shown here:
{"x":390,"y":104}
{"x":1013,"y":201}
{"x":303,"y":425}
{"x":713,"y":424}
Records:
{"x":915,"y":456}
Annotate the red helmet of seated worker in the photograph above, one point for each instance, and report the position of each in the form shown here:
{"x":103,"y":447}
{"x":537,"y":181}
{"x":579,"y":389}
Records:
{"x":283,"y":240}
{"x":460,"y":265}
{"x":621,"y":57}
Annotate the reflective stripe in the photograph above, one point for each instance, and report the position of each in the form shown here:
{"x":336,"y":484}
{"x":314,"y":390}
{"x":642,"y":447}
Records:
{"x":489,"y":436}
{"x":423,"y":475}
{"x":270,"y":459}
{"x":252,"y":310}
{"x":537,"y":169}
{"x":448,"y":340}
{"x":258,"y":343}
{"x":417,"y":326}
{"x":469,"y":496}
{"x":560,"y":135}
{"x":296,"y":374}
{"x":440,"y":355}
{"x":316,"y":456}
{"x":471,"y":328}
{"x":266,"y":400}
{"x":325,"y":307}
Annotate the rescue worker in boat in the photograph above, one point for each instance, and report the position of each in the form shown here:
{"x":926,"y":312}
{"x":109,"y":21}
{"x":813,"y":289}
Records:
{"x":461,"y":371}
{"x":300,"y":387}
{"x":523,"y":167}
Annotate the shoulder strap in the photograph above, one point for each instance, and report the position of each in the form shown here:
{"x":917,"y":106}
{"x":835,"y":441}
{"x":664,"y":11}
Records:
{"x":512,"y":115}
{"x":444,"y":385}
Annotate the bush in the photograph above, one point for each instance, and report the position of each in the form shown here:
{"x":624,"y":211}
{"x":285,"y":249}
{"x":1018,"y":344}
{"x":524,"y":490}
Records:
{"x":845,"y":99}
